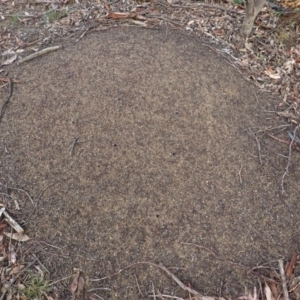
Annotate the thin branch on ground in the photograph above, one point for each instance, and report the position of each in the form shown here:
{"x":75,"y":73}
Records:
{"x":75,"y":140}
{"x":39,"y":53}
{"x":153,"y":291}
{"x":204,"y":5}
{"x":258,"y":145}
{"x":23,"y":191}
{"x":10,"y":90}
{"x":137,"y":283}
{"x":215,"y":255}
{"x":240,"y":175}
{"x":289,"y":158}
{"x":169,"y":273}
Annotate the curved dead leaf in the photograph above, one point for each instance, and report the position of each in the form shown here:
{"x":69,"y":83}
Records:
{"x":80,"y":285}
{"x":74,"y":284}
{"x":20,"y":237}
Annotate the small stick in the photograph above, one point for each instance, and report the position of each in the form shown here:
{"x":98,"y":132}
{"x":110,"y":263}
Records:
{"x":153,"y":291}
{"x":203,"y":5}
{"x":240,"y":176}
{"x":160,"y":266}
{"x":258,"y":146}
{"x":283,"y":280}
{"x":10,"y":88}
{"x":201,"y":247}
{"x":99,"y":289}
{"x":75,"y":140}
{"x":180,"y":283}
{"x":62,"y":279}
{"x":137,"y":283}
{"x":37,"y":54}
{"x":289,"y":159}
{"x":215,"y":255}
{"x":41,"y":263}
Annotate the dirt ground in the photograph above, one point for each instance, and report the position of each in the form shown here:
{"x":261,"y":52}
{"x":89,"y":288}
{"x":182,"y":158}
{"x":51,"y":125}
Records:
{"x":163,"y":158}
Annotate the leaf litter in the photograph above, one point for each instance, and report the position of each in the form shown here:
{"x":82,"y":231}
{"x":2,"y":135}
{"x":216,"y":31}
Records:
{"x":21,"y":274}
{"x":269,"y":58}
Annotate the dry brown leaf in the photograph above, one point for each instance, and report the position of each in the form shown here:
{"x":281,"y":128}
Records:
{"x":295,"y":287}
{"x":289,"y":66}
{"x":3,"y":225}
{"x":120,"y":15}
{"x":80,"y":286}
{"x":74,"y":284}
{"x":10,"y":60}
{"x":16,"y":270}
{"x":274,"y":290}
{"x":290,"y":266}
{"x":17,"y":236}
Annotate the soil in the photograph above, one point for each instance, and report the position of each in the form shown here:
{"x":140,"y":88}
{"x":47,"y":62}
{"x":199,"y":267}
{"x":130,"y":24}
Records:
{"x":163,"y":156}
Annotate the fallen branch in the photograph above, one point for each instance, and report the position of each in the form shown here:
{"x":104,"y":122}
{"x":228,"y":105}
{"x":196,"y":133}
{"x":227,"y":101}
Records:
{"x":258,"y":146}
{"x":289,"y":158}
{"x":169,"y":273}
{"x":37,"y":54}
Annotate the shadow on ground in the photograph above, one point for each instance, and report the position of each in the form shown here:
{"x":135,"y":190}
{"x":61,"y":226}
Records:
{"x":163,"y":156}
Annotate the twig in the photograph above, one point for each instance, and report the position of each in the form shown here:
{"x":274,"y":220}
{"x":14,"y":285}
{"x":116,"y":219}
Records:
{"x":283,"y":279}
{"x":62,"y":279}
{"x":41,"y":263}
{"x":37,"y":54}
{"x":98,"y":296}
{"x":137,"y":283}
{"x":99,"y":289}
{"x":264,"y":110}
{"x":7,"y":287}
{"x":203,"y":5}
{"x":23,"y":191}
{"x":240,"y":176}
{"x":215,"y":255}
{"x":289,"y":159}
{"x":10,"y":89}
{"x":181,"y":284}
{"x":201,"y":247}
{"x":153,"y":291}
{"x":160,"y":266}
{"x":37,"y":202}
{"x":258,"y":146}
{"x":75,"y":140}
